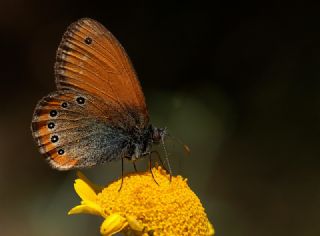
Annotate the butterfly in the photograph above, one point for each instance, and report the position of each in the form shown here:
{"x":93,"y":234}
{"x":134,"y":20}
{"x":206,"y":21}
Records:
{"x":98,"y":113}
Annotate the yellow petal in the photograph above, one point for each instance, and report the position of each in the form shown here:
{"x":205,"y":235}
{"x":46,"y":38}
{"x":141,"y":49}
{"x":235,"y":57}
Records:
{"x":134,"y":224}
{"x":211,"y":229}
{"x":95,"y":187}
{"x":85,"y":191}
{"x":113,"y":224}
{"x":87,"y":208}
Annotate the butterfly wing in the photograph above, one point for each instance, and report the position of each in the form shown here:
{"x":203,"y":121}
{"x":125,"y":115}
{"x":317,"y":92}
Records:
{"x":72,"y":131}
{"x":98,"y":103}
{"x":90,"y":59}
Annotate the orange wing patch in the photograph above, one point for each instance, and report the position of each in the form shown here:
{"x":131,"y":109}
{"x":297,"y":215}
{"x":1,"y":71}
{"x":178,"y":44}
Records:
{"x":62,"y":162}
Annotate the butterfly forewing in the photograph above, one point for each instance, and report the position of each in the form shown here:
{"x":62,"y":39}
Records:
{"x":90,"y":59}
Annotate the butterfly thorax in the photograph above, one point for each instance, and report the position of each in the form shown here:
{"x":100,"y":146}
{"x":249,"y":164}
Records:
{"x":142,"y":141}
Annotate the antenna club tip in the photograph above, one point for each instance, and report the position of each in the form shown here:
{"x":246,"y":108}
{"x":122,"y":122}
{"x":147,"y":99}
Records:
{"x":186,"y":148}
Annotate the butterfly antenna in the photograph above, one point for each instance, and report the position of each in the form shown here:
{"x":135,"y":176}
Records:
{"x":167,"y":159}
{"x":185,"y":146}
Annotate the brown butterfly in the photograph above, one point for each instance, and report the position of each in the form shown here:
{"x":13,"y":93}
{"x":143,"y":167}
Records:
{"x":98,"y":113}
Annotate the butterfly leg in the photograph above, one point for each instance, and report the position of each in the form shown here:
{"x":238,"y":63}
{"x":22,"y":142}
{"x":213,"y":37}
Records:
{"x":162,"y":163}
{"x":150,"y":168}
{"x":121,"y":175}
{"x":134,"y":166}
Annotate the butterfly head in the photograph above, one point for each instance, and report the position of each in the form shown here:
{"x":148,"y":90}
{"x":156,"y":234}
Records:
{"x":158,"y":134}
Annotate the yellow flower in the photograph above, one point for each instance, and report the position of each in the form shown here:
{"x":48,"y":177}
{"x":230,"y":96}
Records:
{"x":143,"y":207}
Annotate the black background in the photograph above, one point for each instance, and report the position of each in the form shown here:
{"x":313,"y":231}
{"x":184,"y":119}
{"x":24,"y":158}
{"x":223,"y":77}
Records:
{"x":243,"y":78}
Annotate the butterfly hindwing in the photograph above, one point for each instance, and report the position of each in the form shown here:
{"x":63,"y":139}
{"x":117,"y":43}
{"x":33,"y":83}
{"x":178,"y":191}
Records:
{"x":72,"y":131}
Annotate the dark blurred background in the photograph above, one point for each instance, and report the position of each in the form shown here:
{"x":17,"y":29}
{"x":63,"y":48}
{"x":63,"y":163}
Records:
{"x":238,"y":82}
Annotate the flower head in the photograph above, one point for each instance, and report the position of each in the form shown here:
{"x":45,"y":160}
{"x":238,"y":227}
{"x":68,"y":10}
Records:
{"x":143,"y":207}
